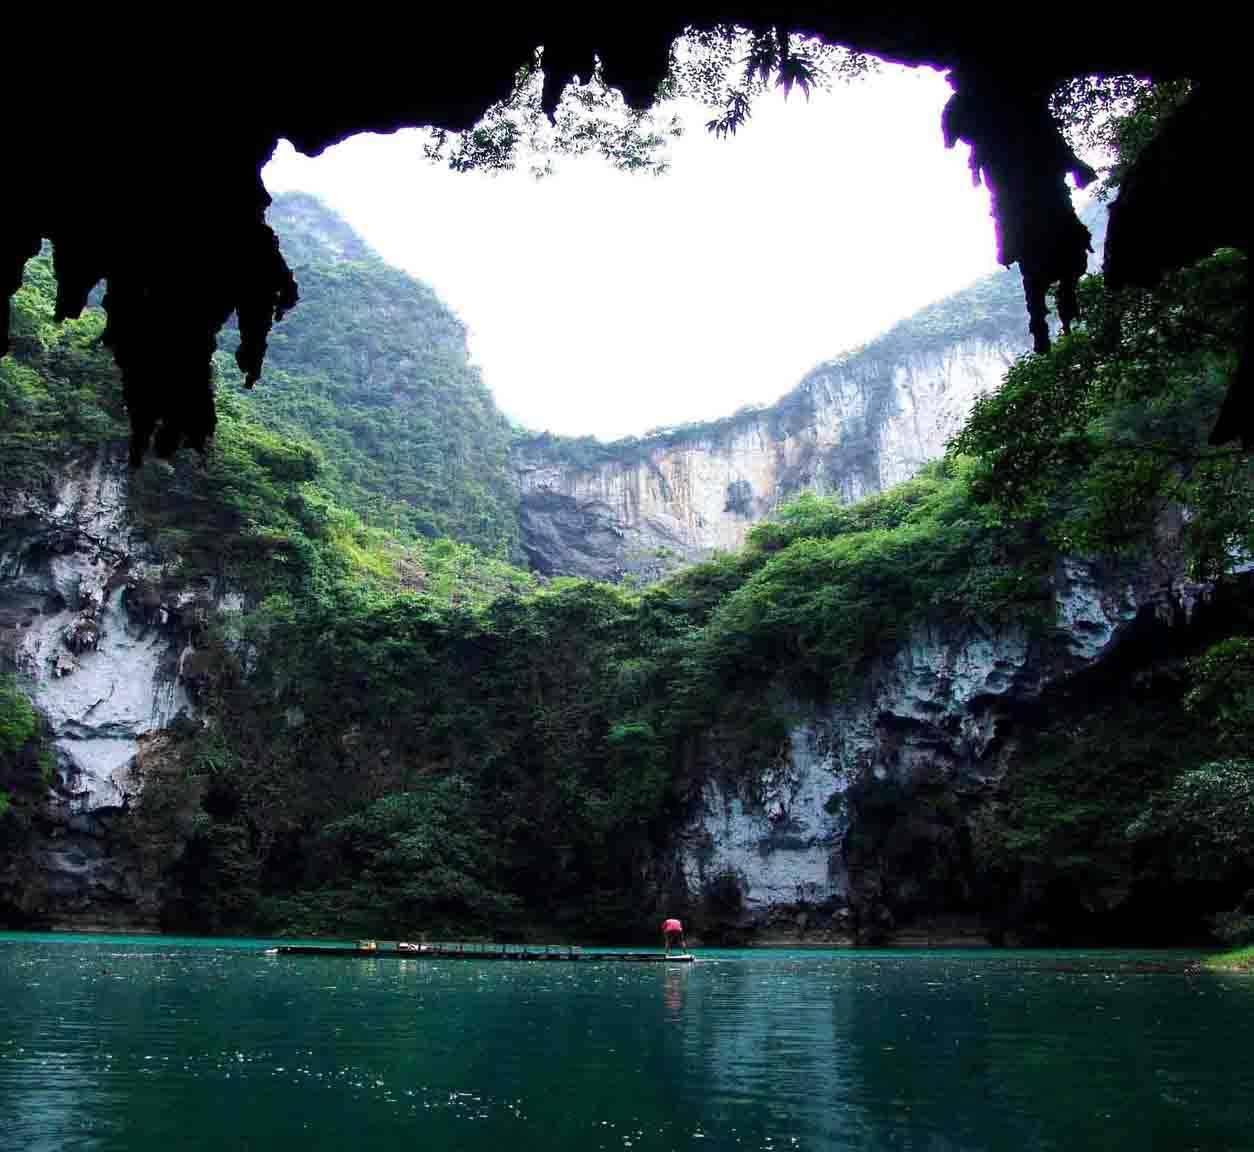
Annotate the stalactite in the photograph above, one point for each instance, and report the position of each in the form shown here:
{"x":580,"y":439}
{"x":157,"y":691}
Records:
{"x":1019,"y":153}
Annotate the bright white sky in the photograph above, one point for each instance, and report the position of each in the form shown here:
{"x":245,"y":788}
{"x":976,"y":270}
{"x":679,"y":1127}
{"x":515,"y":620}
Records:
{"x":608,"y":303}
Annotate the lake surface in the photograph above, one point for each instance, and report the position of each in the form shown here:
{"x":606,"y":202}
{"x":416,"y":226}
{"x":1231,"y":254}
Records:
{"x":160,"y":1043}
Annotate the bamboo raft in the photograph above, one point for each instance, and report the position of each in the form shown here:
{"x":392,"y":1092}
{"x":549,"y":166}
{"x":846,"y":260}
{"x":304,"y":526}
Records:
{"x":550,"y":953}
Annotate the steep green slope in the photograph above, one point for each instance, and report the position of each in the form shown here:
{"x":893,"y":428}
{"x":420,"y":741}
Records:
{"x":263,"y":509}
{"x":372,"y":369}
{"x":59,"y":390}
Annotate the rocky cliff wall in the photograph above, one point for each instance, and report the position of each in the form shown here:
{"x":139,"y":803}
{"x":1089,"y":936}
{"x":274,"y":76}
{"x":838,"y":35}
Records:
{"x":100,"y":634}
{"x":853,"y":427}
{"x":938,"y":714}
{"x":856,"y":425}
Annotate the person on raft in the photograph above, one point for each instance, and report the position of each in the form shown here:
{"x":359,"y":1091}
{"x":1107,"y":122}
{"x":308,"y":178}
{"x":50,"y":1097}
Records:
{"x":672,"y":935}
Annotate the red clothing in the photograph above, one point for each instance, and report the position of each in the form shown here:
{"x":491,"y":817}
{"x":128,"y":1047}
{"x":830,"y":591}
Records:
{"x":672,"y":926}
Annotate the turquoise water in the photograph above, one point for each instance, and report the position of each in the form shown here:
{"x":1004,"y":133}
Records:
{"x":159,"y":1043}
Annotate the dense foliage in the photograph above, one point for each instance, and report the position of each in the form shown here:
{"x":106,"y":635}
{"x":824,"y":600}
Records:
{"x":59,"y":390}
{"x":18,"y":727}
{"x":1101,"y":438}
{"x":559,"y":721}
{"x":1115,"y":809}
{"x":1101,"y":448}
{"x":26,"y":769}
{"x":570,"y":718}
{"x":372,"y":369}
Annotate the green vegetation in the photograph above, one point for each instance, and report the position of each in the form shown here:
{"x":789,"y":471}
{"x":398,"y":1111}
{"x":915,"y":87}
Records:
{"x":401,"y":732}
{"x":567,"y":715}
{"x":18,"y":723}
{"x":1235,"y":960}
{"x":563,"y":715}
{"x":1202,"y":822}
{"x":289,"y":498}
{"x":22,"y":758}
{"x":1223,"y":692}
{"x":1102,"y":438}
{"x":1208,"y":812}
{"x":416,"y":858}
{"x":519,"y":702}
{"x":1135,"y":797}
{"x":257,"y":512}
{"x":59,"y":391}
{"x":825,"y":588}
{"x":1102,"y":829}
{"x":372,"y":370}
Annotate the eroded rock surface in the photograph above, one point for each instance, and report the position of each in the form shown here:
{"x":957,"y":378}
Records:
{"x":852,"y":428}
{"x":936,"y":716}
{"x":98,"y":631}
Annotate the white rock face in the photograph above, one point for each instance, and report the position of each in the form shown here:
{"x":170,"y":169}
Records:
{"x":101,"y":635}
{"x":934,"y":706}
{"x":117,"y":691}
{"x":855,"y":426}
{"x":100,"y":677}
{"x":782,"y":842}
{"x":852,"y":428}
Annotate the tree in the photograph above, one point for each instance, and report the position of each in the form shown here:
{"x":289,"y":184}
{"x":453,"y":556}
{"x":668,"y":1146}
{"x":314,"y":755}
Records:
{"x":1102,"y":437}
{"x":1115,"y":117}
{"x":726,"y":68}
{"x":1205,"y":824}
{"x":415,"y":861}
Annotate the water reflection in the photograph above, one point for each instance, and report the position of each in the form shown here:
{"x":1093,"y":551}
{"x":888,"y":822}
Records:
{"x":673,"y":984}
{"x":771,"y":1072}
{"x":963,"y":1054}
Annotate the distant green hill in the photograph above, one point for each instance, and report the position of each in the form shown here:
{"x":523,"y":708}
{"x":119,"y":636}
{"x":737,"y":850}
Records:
{"x":372,"y":368}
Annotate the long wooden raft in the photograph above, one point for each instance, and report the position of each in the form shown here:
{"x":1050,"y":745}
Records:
{"x":551,"y":954}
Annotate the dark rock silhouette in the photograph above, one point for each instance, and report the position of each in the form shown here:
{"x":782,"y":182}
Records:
{"x":141,"y":155}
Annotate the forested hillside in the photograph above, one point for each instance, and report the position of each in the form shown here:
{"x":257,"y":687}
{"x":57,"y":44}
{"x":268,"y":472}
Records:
{"x":372,"y":369}
{"x":528,"y":763}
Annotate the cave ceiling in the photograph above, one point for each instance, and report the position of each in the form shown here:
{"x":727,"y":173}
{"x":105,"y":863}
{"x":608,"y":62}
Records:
{"x":135,"y":142}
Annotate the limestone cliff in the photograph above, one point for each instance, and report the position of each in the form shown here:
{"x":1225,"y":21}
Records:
{"x":854,"y":426}
{"x":100,"y":634}
{"x":938,"y":718}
